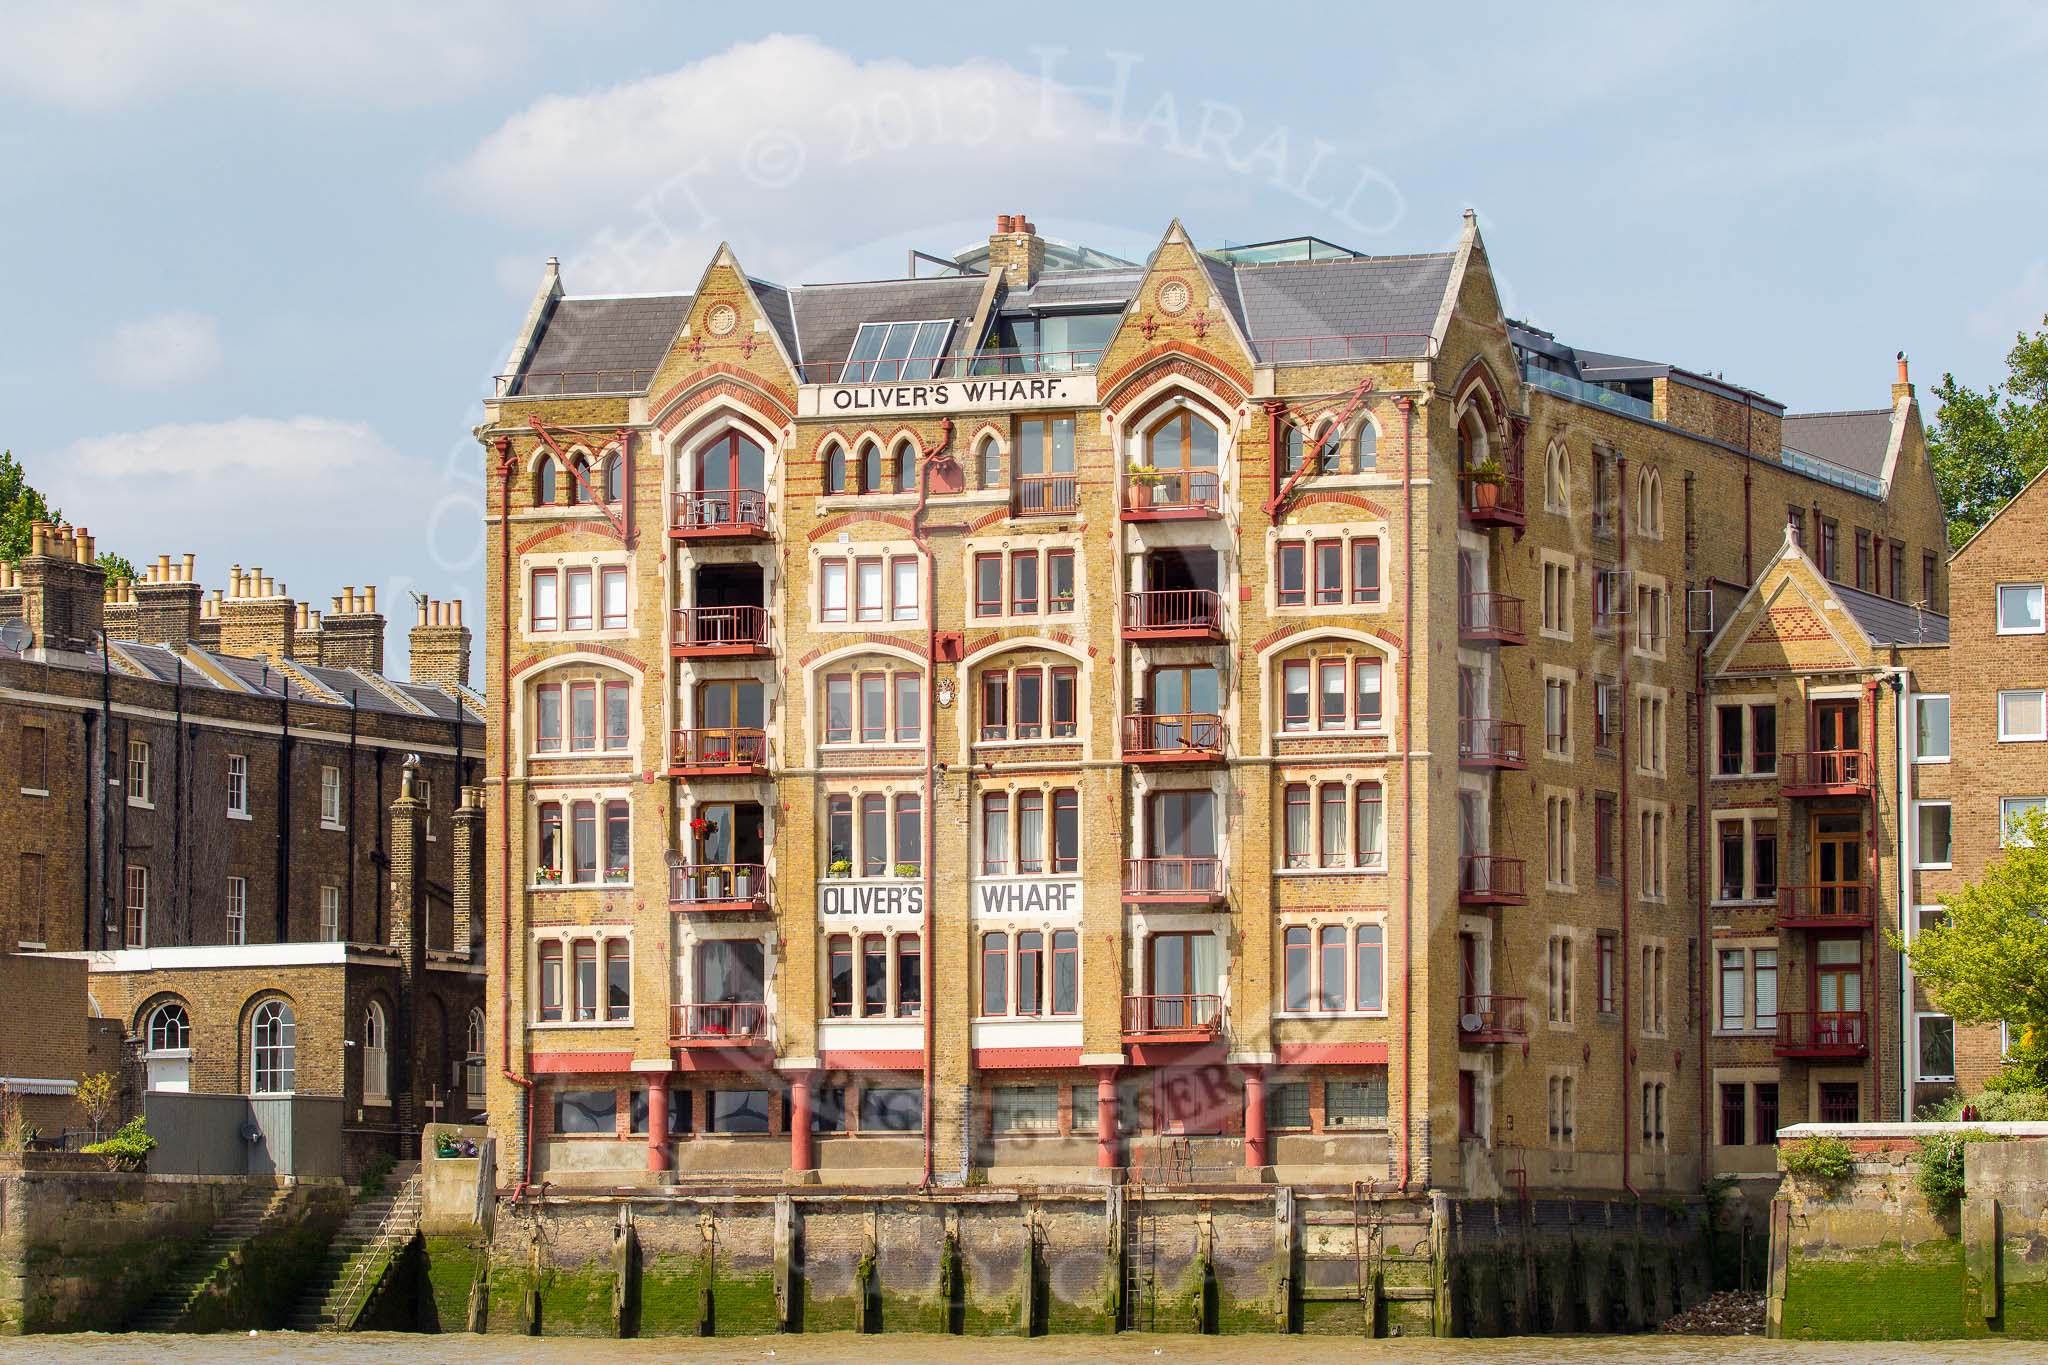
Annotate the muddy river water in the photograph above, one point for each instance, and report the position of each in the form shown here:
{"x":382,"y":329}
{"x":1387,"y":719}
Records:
{"x":391,"y":1349}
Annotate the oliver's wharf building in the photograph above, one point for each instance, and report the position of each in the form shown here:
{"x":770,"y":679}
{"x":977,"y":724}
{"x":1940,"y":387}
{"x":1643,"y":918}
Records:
{"x":1242,"y":716}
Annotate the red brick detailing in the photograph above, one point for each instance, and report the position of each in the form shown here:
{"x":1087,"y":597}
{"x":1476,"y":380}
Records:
{"x":994,"y":638}
{"x":610,"y":653}
{"x":915,"y":647}
{"x":1789,"y":623}
{"x":1364,"y":504}
{"x":1188,"y":364}
{"x":1025,"y":1058}
{"x":598,"y":526}
{"x":833,"y":523}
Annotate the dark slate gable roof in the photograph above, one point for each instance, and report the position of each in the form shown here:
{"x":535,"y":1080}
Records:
{"x":828,"y":315}
{"x":1891,"y":623}
{"x":1853,"y":440}
{"x":162,"y":663}
{"x":1072,"y":288}
{"x":603,"y":345}
{"x":1365,"y":296}
{"x":774,"y":300}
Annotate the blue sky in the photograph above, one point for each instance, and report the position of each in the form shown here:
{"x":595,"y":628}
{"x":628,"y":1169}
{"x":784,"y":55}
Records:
{"x":260,"y":260}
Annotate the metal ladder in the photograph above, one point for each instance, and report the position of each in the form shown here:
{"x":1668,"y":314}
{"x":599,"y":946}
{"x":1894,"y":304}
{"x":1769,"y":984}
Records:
{"x":1141,"y":1262}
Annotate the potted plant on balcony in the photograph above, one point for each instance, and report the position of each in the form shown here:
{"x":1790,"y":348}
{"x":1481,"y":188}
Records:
{"x":1144,"y":478}
{"x":617,"y":876}
{"x":548,"y":876}
{"x":1486,"y":479}
{"x":906,"y":870}
{"x":700,"y":826}
{"x":839,"y":867}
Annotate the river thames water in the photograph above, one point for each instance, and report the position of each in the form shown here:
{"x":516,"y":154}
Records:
{"x":400,"y":1349}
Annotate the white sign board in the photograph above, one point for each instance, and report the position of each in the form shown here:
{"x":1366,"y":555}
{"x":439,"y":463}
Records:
{"x":932,"y":397}
{"x":1028,"y":897}
{"x":870,"y":900}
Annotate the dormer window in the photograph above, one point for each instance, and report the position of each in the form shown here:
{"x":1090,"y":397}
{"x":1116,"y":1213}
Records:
{"x":890,"y":352}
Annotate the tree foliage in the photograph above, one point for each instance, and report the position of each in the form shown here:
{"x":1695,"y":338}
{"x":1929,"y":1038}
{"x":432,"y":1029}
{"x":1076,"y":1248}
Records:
{"x":95,"y":1096}
{"x":117,"y":566}
{"x":1986,"y":444}
{"x":21,"y":506}
{"x":1988,"y":961}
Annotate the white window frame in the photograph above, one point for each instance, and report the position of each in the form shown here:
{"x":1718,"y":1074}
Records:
{"x":2040,"y":732}
{"x":2011,"y":808}
{"x":1557,"y":479}
{"x":1920,"y":1018}
{"x":1921,"y":699}
{"x":282,"y":1052}
{"x":238,"y":787}
{"x":1918,"y":861}
{"x":1752,"y":1024}
{"x":2040,"y":609}
{"x":330,"y":914}
{"x":330,"y":797}
{"x":238,"y":910}
{"x":141,"y":777}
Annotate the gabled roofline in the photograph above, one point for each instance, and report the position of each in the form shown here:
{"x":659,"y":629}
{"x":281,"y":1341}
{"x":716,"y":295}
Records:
{"x":544,"y":300}
{"x":1992,"y":520}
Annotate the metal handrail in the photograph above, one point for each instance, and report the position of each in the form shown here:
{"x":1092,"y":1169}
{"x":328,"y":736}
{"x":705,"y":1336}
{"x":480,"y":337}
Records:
{"x":1172,"y":1013}
{"x":729,"y":746}
{"x":402,"y":1217}
{"x":1489,"y":737}
{"x":1496,"y":1015}
{"x":713,"y":509}
{"x":743,"y":1020}
{"x":1491,"y":874}
{"x":1043,"y":494}
{"x":1174,"y":490}
{"x":1823,"y":768}
{"x":1186,"y":733}
{"x":1173,"y":876}
{"x":1490,"y":611}
{"x":716,"y":883}
{"x":925,"y":369}
{"x":1173,"y":609}
{"x":1847,"y":902}
{"x":554,"y":383}
{"x":721,"y":626}
{"x":1841,"y":1030}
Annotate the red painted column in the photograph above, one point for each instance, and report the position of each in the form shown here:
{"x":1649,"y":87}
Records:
{"x":657,"y":1124}
{"x":1105,"y":1119}
{"x":1255,"y":1117}
{"x":800,"y":1157}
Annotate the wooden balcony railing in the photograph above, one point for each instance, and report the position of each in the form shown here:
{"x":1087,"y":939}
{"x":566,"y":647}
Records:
{"x":1823,"y":1033}
{"x":719,"y":749}
{"x":722,"y":511}
{"x":721,"y":629}
{"x":1172,"y":1016}
{"x":1485,"y":742}
{"x":1493,"y":1019}
{"x":1819,"y":907}
{"x":733,"y":1022}
{"x":1173,"y":879}
{"x":1046,"y":494}
{"x":1489,"y":879}
{"x":1152,"y":739}
{"x":1824,"y":772}
{"x":717,"y":886}
{"x":1169,"y":493}
{"x":1491,"y":616}
{"x":1173,"y":611}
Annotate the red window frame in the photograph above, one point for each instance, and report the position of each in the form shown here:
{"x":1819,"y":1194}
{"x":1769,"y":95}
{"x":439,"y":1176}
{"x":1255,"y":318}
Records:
{"x":615,"y":741}
{"x":1361,"y":716}
{"x":1325,"y":670}
{"x":550,"y":1011}
{"x":552,"y":621}
{"x":1289,"y":721}
{"x":874,"y":820}
{"x":844,"y":611}
{"x":1024,"y":594}
{"x":839,"y":734}
{"x":1053,"y":559}
{"x":1065,"y":703}
{"x":1065,"y":830}
{"x":983,"y":604}
{"x":995,"y":705}
{"x":1329,"y":572}
{"x":1031,"y":860}
{"x":838,"y":974}
{"x":863,"y":608}
{"x":1368,"y":796}
{"x":907,"y":695}
{"x":1365,"y":570}
{"x":582,"y":740}
{"x":872,"y":718}
{"x":605,"y":579}
{"x":1027,"y":696}
{"x":995,"y":813}
{"x":995,"y":971}
{"x":1295,"y":800}
{"x":1290,"y":573}
{"x":569,"y":581}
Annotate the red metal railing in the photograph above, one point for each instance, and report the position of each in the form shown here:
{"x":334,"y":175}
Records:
{"x":1042,"y":494}
{"x":710,"y":627}
{"x":1490,"y":615}
{"x":924,"y":369}
{"x":1355,"y":346}
{"x":739,"y":1021}
{"x":717,"y":884}
{"x":1838,"y":903}
{"x":1174,"y":490}
{"x":723,"y":509}
{"x":727,"y":748}
{"x":1484,"y":739}
{"x":1493,"y":1018}
{"x":1151,"y":1014}
{"x":534,"y":383}
{"x":1161,"y":736}
{"x":1489,"y":876}
{"x":1823,"y":1033}
{"x":1824,"y":768}
{"x":1165,"y":609}
{"x":1505,"y":499}
{"x":1193,"y":877}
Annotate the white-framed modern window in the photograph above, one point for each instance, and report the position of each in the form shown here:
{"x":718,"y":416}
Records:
{"x":167,"y":1048}
{"x":1934,"y":1037}
{"x":1748,"y":978}
{"x":140,"y":789}
{"x":2012,"y":813}
{"x":238,"y":909}
{"x":1932,"y":835}
{"x":2023,"y":716}
{"x":376,"y":1056}
{"x":330,"y":914}
{"x":330,"y":796}
{"x":1930,"y":728}
{"x":2019,"y":609}
{"x":238,"y":786}
{"x":273,"y":1049}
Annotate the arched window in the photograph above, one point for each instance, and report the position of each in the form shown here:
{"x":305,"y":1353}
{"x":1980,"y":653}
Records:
{"x":376,"y":1055}
{"x":1321,"y":452}
{"x":905,"y":466}
{"x":1182,"y":441}
{"x":835,"y":468}
{"x":1557,"y":480}
{"x":1650,"y":503}
{"x":871,"y":468}
{"x":473,"y":1059}
{"x":580,"y":481}
{"x":989,"y":463}
{"x":1473,"y":448}
{"x":545,"y":479}
{"x":1368,"y":446}
{"x":611,"y":484}
{"x":733,"y":461}
{"x":273,"y":1048}
{"x":170,"y":1029}
{"x":167,"y":1057}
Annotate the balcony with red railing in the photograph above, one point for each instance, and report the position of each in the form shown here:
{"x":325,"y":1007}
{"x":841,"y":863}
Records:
{"x":1173,"y":881}
{"x":1492,"y":1019}
{"x":1484,"y":742}
{"x":1490,"y":617}
{"x":718,"y":753}
{"x":733,"y":1024}
{"x":1173,"y":495}
{"x":1173,"y":739}
{"x":1850,"y":906}
{"x":1825,"y":772}
{"x":1172,"y":1018}
{"x":1045,"y":495}
{"x":1823,"y":1033}
{"x":1174,"y":615}
{"x":1489,"y":879}
{"x":712,"y":632}
{"x":718,"y":886}
{"x":720,"y":514}
{"x":1493,"y":503}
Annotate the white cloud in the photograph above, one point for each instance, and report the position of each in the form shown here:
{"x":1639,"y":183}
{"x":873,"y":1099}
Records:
{"x":153,"y":352}
{"x":98,"y":54}
{"x":792,"y":150}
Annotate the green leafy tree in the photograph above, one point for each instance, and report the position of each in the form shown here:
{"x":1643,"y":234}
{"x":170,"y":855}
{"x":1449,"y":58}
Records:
{"x":117,"y":566}
{"x":1986,"y":444}
{"x":21,"y":506}
{"x":1988,"y":962}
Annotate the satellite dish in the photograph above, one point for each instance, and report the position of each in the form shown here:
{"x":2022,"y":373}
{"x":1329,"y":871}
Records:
{"x":1470,"y":1023}
{"x":14,"y":635}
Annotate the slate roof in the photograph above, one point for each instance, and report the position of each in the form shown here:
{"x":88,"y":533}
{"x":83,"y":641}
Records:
{"x":1891,"y":623}
{"x":603,"y":345}
{"x":1853,"y":440}
{"x":162,"y":663}
{"x":828,"y":315}
{"x":1069,"y":288}
{"x":254,"y":674}
{"x":1365,"y":296}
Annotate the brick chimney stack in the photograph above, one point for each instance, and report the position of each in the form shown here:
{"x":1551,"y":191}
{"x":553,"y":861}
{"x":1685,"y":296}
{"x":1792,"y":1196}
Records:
{"x":440,"y":645}
{"x":467,"y":879}
{"x":63,"y":590}
{"x":258,"y":618}
{"x":117,"y":614}
{"x":167,"y":602}
{"x":409,"y":937}
{"x":352,"y":631}
{"x":1016,"y":249}
{"x":206,"y":634}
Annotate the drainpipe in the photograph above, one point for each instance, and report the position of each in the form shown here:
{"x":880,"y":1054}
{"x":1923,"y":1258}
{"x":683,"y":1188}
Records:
{"x":1706,"y":866}
{"x":922,"y":539}
{"x":1626,"y":813}
{"x":1900,"y":681}
{"x":525,"y":1125}
{"x":1876,"y":1052}
{"x":100,"y":796}
{"x":347,"y":929}
{"x":284,"y":810}
{"x":1407,"y":406}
